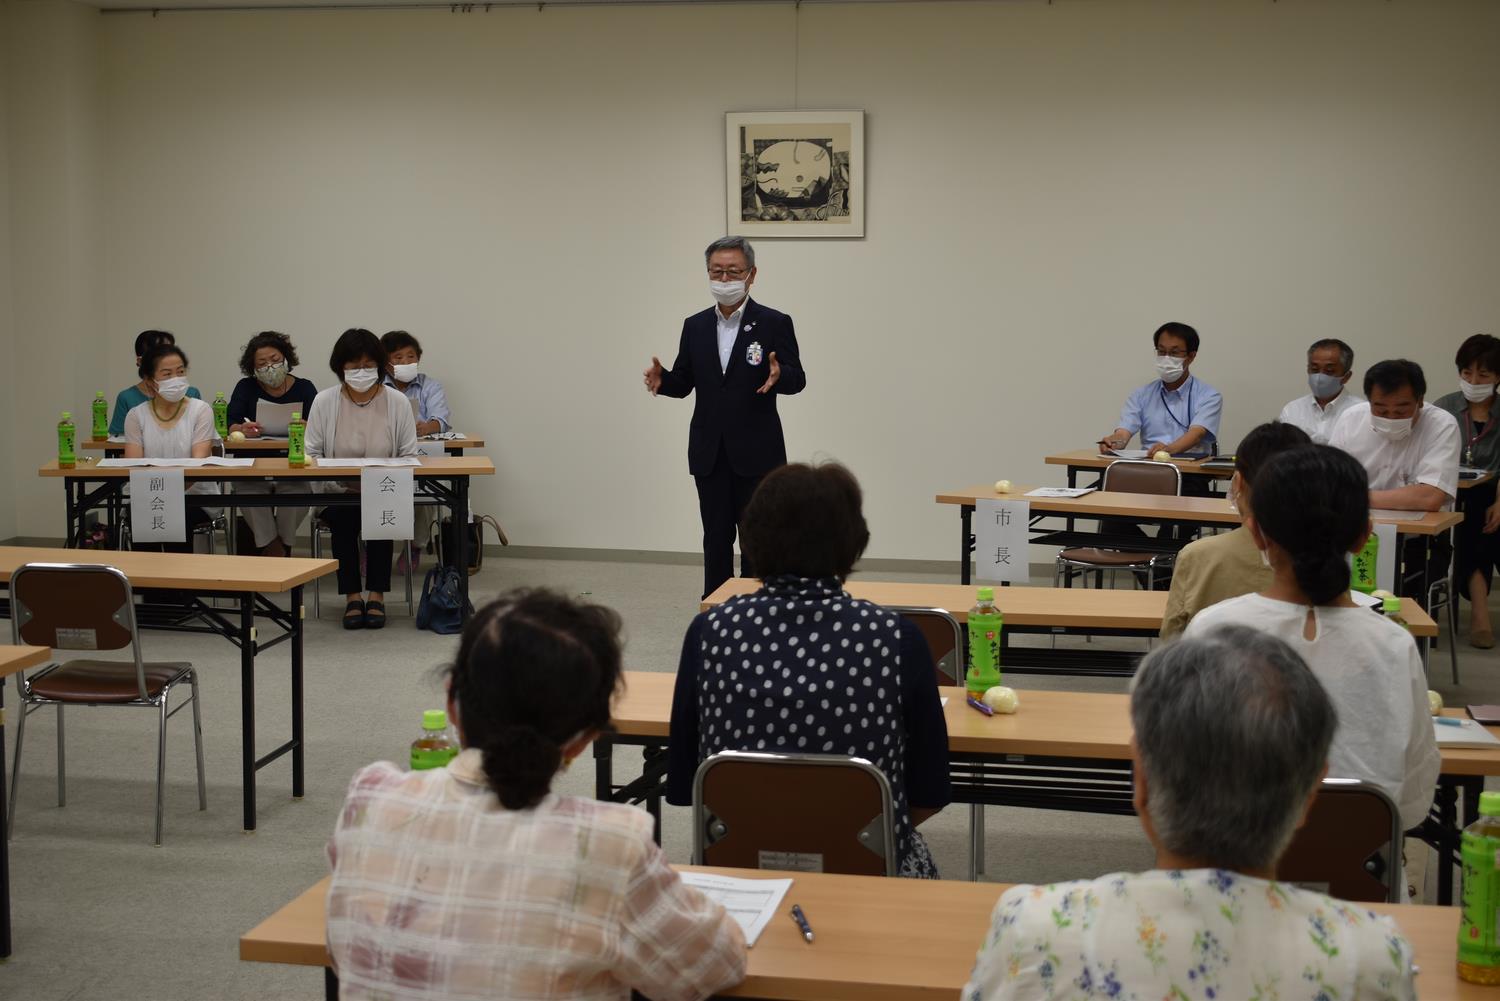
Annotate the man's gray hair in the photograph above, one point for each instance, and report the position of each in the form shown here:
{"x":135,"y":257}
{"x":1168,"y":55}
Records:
{"x":1346,"y":353}
{"x":732,"y":243}
{"x":1233,"y":730}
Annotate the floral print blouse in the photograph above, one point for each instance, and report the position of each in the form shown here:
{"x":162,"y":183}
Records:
{"x":1194,"y":935}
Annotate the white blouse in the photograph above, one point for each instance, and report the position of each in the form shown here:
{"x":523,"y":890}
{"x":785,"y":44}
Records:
{"x":175,"y":441}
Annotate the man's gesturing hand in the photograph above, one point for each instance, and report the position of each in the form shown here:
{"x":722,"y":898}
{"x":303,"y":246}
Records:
{"x":775,"y":375}
{"x":653,"y":376}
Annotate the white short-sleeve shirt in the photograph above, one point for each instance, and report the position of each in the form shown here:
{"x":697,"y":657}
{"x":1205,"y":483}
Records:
{"x":1428,"y":455}
{"x":1318,"y":422}
{"x":177,"y":440}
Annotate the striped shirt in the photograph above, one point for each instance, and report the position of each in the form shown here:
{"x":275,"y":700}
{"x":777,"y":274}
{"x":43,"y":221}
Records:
{"x":440,"y":892}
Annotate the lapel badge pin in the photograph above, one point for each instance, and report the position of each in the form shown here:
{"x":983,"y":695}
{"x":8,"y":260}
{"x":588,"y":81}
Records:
{"x":752,"y":353}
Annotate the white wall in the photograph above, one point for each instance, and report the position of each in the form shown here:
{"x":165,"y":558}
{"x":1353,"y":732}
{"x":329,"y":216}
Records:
{"x":7,"y":310}
{"x":56,"y":244}
{"x":529,"y":192}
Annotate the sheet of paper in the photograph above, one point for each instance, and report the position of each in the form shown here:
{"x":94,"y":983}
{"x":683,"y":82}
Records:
{"x":212,"y":460}
{"x":1364,"y":600}
{"x":1001,"y":534}
{"x":385,"y":503}
{"x":157,"y":510}
{"x":360,"y":463}
{"x":446,"y":436}
{"x":1467,"y":734}
{"x":274,"y":418}
{"x":1128,"y":453}
{"x":1384,"y":514}
{"x":436,"y":449}
{"x":751,"y":902}
{"x":1059,"y":491}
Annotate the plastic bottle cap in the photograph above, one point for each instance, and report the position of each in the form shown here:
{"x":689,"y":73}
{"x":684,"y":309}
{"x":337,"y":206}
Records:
{"x":434,"y":719}
{"x":67,"y":413}
{"x":1391,"y":605}
{"x":1489,"y":804}
{"x":986,"y":594}
{"x":296,"y":415}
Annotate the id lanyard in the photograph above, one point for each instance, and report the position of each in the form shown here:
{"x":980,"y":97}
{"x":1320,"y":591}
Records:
{"x":1162,"y":389}
{"x":1473,"y":438}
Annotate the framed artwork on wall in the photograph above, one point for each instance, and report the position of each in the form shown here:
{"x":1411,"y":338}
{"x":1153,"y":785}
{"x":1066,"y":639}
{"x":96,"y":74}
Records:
{"x":795,"y":173}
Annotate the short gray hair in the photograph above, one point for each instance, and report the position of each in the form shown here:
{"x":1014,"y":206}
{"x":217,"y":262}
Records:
{"x":1232,"y":730}
{"x":732,"y":243}
{"x":1346,"y":353}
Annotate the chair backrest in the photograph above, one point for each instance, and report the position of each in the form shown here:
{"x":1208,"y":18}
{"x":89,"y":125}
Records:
{"x":805,"y":812}
{"x":1137,"y":476}
{"x":1350,"y":846}
{"x":75,"y":606}
{"x":945,"y":640}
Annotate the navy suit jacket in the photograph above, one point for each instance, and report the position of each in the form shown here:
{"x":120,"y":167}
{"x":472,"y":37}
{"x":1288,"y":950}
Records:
{"x":728,"y":409}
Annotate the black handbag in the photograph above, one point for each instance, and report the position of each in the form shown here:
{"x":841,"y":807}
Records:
{"x":443,"y":607}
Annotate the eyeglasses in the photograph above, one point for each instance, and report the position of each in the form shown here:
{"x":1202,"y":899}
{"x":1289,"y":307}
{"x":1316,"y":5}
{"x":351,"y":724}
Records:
{"x":1173,"y":353}
{"x":727,"y":274}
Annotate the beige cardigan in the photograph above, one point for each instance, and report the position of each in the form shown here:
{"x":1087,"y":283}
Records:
{"x":322,"y":422}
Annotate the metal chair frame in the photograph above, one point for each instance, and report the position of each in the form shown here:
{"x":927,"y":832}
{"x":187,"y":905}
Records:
{"x":1392,"y":851}
{"x":1067,"y":567}
{"x":320,"y":529}
{"x":884,"y":826}
{"x":21,"y":615}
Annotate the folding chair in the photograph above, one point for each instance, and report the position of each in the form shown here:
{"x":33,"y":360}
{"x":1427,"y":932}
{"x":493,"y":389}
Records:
{"x":71,"y":606}
{"x":1350,"y":846}
{"x":806,"y":812}
{"x":1134,"y":476}
{"x":945,"y":640}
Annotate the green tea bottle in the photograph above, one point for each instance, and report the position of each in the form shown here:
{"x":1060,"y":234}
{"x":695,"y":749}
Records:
{"x":437,"y":746}
{"x":1478,"y":951}
{"x":984,"y":644}
{"x":101,"y":416}
{"x":67,"y":458}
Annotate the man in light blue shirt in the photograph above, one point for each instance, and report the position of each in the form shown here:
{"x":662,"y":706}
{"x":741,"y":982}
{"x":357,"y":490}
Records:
{"x":1176,"y":412}
{"x":426,"y":394}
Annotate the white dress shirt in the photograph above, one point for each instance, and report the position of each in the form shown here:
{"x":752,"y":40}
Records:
{"x":729,"y":329}
{"x":1317,"y":421}
{"x":1428,"y":455}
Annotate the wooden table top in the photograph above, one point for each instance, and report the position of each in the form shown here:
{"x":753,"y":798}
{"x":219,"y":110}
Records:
{"x":1071,"y":607}
{"x":21,"y":658}
{"x":878,"y":939}
{"x":1092,"y":725}
{"x":1158,"y":507}
{"x":268,"y":444}
{"x":431,"y":465}
{"x":188,"y":571}
{"x":1089,"y":458}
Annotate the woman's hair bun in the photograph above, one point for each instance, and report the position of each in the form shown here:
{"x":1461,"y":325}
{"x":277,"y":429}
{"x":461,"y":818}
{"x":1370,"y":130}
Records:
{"x":519,"y":763}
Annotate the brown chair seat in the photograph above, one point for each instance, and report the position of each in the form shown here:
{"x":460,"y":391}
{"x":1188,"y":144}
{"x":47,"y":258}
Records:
{"x":103,"y":681}
{"x":1106,"y":557}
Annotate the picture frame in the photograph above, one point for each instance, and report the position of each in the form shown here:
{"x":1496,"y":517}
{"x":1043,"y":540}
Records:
{"x":795,"y":173}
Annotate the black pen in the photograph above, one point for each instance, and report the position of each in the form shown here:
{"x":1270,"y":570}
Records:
{"x":801,"y":920}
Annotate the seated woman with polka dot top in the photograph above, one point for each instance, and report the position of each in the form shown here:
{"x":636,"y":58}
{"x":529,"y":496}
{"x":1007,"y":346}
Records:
{"x":801,"y":667}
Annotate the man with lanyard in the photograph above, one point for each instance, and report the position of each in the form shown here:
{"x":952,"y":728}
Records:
{"x":1177,"y":412}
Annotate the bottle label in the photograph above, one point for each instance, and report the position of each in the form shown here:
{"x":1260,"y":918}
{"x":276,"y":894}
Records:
{"x":1481,"y":901}
{"x":984,"y":653}
{"x":433,"y":757}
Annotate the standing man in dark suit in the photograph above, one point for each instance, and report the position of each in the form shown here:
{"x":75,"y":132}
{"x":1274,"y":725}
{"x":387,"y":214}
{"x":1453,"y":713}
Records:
{"x":738,"y":355}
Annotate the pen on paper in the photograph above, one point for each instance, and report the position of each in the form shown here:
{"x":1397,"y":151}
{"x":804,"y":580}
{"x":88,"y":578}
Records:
{"x":801,"y":919}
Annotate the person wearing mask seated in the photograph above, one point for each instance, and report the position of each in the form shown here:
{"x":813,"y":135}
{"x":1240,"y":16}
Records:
{"x":359,"y":418}
{"x":402,"y":372}
{"x":1310,"y":509}
{"x":429,"y":405}
{"x":804,"y":531}
{"x":1231,"y":742}
{"x":1330,"y":363}
{"x":1478,"y":547}
{"x":1216,"y":567}
{"x":1177,"y":412}
{"x":170,"y":424}
{"x":266,"y":364}
{"x":133,"y":396}
{"x":476,"y":880}
{"x":1410,"y":451}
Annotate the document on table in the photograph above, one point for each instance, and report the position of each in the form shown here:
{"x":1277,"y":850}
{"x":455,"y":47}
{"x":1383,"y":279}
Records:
{"x":1059,"y":491}
{"x":1456,"y":732}
{"x":212,"y":460}
{"x":445,"y":436}
{"x":275,"y":418}
{"x":751,"y":902}
{"x":360,"y":463}
{"x":1128,"y":453}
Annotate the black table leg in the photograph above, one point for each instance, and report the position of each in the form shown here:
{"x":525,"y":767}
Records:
{"x":1446,"y":803}
{"x":965,"y":526}
{"x":247,"y":705}
{"x":4,"y":841}
{"x":330,"y":984}
{"x":461,"y":539}
{"x":604,"y":779}
{"x":298,"y":739}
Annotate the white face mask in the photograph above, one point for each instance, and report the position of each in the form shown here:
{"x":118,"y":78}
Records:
{"x":1391,"y":428}
{"x":1323,"y":385}
{"x":727,"y":293}
{"x":1476,"y":393}
{"x":1169,"y":369}
{"x":360,"y":379}
{"x":404,"y":373}
{"x":272,"y":375}
{"x":172,"y":389}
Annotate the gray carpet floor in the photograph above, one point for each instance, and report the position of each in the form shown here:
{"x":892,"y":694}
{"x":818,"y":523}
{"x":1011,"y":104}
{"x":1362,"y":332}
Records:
{"x":100,"y":912}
